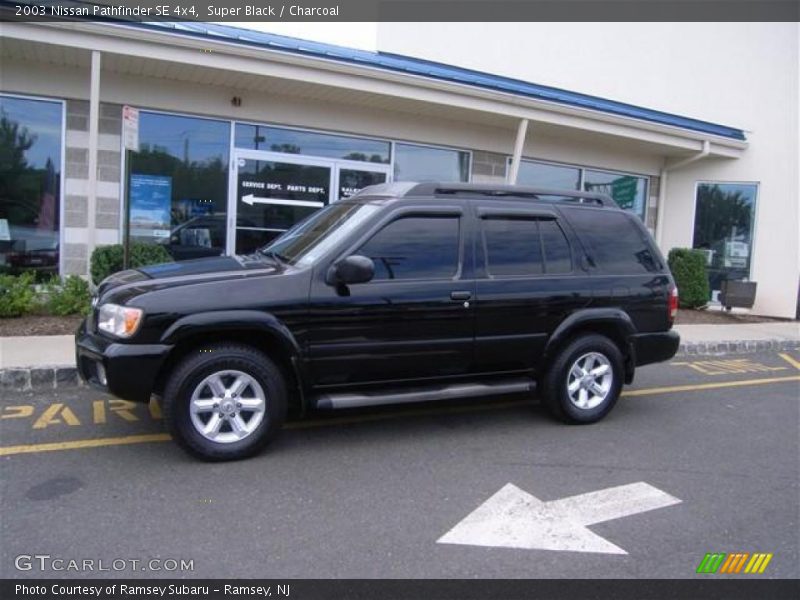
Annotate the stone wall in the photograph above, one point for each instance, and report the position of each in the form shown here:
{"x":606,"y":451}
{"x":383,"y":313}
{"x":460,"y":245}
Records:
{"x":75,"y":234}
{"x":488,"y":167}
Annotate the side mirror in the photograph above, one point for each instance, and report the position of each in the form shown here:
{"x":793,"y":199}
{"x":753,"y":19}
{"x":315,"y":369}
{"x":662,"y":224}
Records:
{"x":353,"y":269}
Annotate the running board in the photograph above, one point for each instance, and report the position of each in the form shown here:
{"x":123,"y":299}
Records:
{"x":423,"y":394}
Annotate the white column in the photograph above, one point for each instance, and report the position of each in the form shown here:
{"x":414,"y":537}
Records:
{"x":522,"y":131}
{"x":94,"y":131}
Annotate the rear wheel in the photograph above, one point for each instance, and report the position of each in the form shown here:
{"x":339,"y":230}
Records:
{"x":225,"y":402}
{"x":584,"y":380}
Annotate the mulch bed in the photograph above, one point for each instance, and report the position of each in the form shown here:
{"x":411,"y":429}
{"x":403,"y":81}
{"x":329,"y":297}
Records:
{"x":40,"y":325}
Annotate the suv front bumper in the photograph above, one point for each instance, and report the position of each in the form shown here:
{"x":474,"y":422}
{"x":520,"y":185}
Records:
{"x":128,"y":371}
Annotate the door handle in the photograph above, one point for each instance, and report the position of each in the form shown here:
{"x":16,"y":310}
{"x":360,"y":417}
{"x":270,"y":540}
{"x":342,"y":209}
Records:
{"x":460,"y":296}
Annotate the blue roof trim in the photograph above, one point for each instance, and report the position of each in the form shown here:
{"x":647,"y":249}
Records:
{"x":442,"y":72}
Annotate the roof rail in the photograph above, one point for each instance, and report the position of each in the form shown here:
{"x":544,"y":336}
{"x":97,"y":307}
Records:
{"x":511,"y":191}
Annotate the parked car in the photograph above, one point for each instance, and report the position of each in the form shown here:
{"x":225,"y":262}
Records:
{"x":401,"y":293}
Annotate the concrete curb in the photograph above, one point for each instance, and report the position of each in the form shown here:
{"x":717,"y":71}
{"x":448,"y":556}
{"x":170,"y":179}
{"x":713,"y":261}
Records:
{"x":736,"y":347}
{"x":39,"y":378}
{"x":25,"y":379}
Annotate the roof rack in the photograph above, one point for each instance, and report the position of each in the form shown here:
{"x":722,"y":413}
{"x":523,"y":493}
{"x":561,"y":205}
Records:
{"x":510,"y":192}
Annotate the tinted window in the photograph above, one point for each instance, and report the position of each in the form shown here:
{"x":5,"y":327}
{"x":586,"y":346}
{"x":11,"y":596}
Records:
{"x":30,"y":185}
{"x":723,"y":229}
{"x":293,"y":141}
{"x":557,"y":256}
{"x":628,"y":191}
{"x":415,"y":248}
{"x":513,"y":246}
{"x":178,"y":184}
{"x":614,"y":241}
{"x":423,"y":163}
{"x":549,"y":176}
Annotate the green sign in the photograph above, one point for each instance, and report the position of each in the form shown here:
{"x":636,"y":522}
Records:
{"x":623,"y":190}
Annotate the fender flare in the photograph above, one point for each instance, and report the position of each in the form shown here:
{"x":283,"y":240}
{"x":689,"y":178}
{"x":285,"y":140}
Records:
{"x":614,"y":317}
{"x":218,"y":322}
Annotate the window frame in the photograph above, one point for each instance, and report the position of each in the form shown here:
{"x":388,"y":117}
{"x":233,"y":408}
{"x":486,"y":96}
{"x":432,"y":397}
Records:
{"x":318,"y":132}
{"x":469,"y":154}
{"x":404,"y":212}
{"x":484,"y":214}
{"x":756,"y":205}
{"x":582,"y":178}
{"x":62,"y":199}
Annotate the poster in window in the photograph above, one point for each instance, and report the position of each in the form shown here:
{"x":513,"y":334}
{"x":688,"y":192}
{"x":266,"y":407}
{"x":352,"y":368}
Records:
{"x":150,"y":199}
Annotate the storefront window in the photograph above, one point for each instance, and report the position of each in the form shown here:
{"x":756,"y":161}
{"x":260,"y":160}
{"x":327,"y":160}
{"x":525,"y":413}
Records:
{"x":723,"y":229}
{"x":549,"y":176}
{"x":310,"y":143}
{"x":178,"y":184}
{"x":423,"y":163}
{"x":629,"y":191}
{"x":31,"y":144}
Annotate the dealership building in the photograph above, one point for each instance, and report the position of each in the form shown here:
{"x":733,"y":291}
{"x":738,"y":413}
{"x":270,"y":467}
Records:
{"x":231,"y":135}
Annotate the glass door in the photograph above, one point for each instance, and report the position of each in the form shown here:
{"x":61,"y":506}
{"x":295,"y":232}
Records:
{"x":271,"y":192}
{"x":352,"y":177}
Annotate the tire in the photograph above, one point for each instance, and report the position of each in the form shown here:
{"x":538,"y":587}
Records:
{"x":211,"y":390}
{"x":579,"y":399}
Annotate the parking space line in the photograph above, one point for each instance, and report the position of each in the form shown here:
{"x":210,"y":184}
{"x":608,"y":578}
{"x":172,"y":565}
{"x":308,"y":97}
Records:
{"x":163,"y":437}
{"x":76,"y":444}
{"x":708,"y":386}
{"x":790,"y":360}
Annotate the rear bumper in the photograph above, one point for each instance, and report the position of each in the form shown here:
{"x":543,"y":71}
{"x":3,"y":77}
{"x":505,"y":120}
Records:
{"x":651,"y":348}
{"x":128,"y":371}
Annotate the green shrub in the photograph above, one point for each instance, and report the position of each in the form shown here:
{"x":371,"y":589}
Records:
{"x":68,"y":296}
{"x":689,"y":270}
{"x":108,"y":259}
{"x":17,"y":296}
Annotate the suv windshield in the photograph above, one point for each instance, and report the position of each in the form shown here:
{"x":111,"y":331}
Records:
{"x":311,"y":238}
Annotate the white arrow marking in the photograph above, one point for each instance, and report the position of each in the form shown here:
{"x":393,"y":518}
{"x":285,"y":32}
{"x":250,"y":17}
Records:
{"x":251,"y":199}
{"x":513,"y":518}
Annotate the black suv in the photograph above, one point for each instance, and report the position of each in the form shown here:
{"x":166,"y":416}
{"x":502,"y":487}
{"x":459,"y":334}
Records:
{"x":402,"y":293}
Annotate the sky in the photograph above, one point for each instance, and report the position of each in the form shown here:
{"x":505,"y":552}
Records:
{"x":363,"y":36}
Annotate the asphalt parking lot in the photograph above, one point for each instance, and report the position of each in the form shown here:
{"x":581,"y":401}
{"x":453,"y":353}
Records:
{"x":700,"y":456}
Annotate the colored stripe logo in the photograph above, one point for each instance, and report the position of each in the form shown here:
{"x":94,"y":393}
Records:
{"x":734,"y":563}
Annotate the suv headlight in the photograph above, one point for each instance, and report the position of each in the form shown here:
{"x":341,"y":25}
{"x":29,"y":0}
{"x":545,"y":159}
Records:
{"x":121,"y":321}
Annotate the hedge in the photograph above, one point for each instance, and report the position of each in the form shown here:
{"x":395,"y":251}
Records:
{"x":17,"y":296}
{"x":689,"y":270}
{"x":108,"y":259}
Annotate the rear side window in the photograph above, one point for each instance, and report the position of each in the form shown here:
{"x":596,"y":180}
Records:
{"x":419,"y":247}
{"x":518,"y":246}
{"x":614,"y":240}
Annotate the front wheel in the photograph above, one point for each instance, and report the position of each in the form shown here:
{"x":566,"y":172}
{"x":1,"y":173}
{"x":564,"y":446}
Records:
{"x":584,"y":381}
{"x":225,"y":402}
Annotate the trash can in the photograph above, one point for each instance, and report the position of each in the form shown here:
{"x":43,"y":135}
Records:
{"x":736,"y":293}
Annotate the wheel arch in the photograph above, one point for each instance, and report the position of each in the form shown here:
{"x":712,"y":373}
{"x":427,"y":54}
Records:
{"x":613,"y":323}
{"x":261,"y":331}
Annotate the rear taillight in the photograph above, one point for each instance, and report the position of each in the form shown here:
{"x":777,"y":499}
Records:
{"x":672,"y":305}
